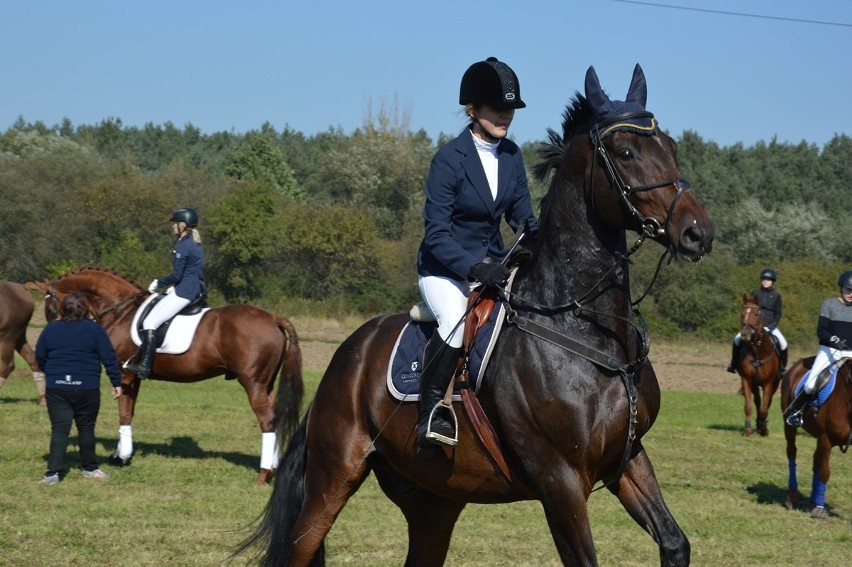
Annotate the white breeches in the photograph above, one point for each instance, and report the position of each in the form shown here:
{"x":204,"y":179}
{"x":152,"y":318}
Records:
{"x":447,"y":299}
{"x":824,"y":358}
{"x":782,"y":342}
{"x":164,"y":310}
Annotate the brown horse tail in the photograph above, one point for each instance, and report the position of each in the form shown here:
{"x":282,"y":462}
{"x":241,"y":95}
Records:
{"x":291,"y":387}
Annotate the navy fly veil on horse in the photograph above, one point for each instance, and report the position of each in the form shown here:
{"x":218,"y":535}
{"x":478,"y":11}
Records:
{"x":617,"y":115}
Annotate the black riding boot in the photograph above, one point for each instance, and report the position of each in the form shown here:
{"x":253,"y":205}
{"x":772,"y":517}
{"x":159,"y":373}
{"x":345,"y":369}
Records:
{"x":146,"y":359}
{"x":794,"y":412}
{"x":783,"y":356}
{"x":439,"y":365}
{"x":735,"y":356}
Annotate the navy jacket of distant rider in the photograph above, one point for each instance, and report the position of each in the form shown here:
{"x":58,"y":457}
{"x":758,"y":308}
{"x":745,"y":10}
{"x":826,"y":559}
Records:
{"x":187,"y":269}
{"x":462,"y":218}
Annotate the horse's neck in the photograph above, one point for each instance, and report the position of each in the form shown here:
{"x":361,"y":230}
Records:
{"x":583,"y":259}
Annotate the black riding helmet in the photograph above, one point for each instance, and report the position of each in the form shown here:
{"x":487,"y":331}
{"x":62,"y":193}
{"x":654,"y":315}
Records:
{"x":187,"y":216}
{"x":491,"y":82}
{"x":845,"y":279}
{"x":769,"y":274}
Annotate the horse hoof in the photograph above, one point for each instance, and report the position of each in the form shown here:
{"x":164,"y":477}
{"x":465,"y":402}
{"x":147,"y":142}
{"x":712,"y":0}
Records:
{"x":264,"y":476}
{"x":819,"y":512}
{"x":748,"y":433}
{"x":117,"y":461}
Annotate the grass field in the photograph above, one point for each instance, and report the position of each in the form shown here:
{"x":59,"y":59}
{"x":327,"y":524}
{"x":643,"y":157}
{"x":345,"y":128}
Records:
{"x":189,"y":493}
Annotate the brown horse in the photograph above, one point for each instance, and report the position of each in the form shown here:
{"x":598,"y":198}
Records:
{"x":759,"y":365}
{"x":830,"y":423}
{"x":16,"y":309}
{"x":242,"y":342}
{"x":564,"y":421}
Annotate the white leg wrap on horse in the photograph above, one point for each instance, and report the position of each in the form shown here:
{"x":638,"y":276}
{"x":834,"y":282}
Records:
{"x":38,"y":378}
{"x":268,"y":451}
{"x":125,"y":441}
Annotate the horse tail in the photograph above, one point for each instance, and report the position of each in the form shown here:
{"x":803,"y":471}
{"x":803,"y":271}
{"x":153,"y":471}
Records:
{"x":291,"y":387}
{"x":274,"y":531}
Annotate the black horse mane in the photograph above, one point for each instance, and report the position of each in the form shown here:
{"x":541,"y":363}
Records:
{"x":577,"y":114}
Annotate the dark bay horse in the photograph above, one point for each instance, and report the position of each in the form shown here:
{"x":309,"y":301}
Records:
{"x":830,"y":423}
{"x":759,"y":365}
{"x":563,"y":420}
{"x":16,"y":309}
{"x":242,"y":342}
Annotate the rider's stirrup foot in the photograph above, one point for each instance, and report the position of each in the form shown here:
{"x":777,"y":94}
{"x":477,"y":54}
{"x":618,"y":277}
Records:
{"x":795,"y":420}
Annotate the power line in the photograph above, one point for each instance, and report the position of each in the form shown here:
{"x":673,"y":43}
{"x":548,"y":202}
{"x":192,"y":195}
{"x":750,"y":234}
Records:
{"x":797,"y":20}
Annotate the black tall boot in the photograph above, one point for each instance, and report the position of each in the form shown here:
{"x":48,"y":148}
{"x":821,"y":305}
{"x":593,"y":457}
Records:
{"x":735,"y":358}
{"x":783,"y":356}
{"x":794,"y":412}
{"x":439,"y":365}
{"x":146,"y":359}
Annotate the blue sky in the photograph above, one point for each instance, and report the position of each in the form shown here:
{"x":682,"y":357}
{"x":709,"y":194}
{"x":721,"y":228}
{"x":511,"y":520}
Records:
{"x":318,"y":64}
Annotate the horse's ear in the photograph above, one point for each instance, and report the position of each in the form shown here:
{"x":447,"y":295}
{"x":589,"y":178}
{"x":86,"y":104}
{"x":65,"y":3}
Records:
{"x":638,"y":91}
{"x":598,"y":100}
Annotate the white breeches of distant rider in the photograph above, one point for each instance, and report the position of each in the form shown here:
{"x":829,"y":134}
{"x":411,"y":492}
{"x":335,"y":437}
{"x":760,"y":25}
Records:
{"x":824,"y":358}
{"x":164,"y":310}
{"x":447,"y":299}
{"x":782,"y":342}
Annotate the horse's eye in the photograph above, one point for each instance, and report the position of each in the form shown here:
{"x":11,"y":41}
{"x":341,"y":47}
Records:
{"x":625,"y":154}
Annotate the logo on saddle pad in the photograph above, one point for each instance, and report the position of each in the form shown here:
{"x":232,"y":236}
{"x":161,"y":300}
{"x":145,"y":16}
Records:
{"x":406,"y":364}
{"x":173,"y":336}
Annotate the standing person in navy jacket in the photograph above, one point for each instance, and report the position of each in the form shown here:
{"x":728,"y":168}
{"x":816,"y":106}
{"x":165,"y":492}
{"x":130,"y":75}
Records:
{"x":71,"y":351}
{"x":474,"y":181}
{"x":187,"y":277}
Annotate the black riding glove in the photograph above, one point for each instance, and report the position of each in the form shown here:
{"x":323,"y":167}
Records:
{"x":492,"y":275}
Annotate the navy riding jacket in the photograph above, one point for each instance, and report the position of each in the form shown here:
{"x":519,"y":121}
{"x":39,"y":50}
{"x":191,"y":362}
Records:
{"x":462,"y":218}
{"x":187,"y":269}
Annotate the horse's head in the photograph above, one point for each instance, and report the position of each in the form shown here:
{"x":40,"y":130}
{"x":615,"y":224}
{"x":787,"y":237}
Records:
{"x":751,"y":320}
{"x":630,"y":176}
{"x":101,"y":289}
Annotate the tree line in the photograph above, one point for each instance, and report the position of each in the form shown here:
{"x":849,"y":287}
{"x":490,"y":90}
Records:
{"x":329,"y":223}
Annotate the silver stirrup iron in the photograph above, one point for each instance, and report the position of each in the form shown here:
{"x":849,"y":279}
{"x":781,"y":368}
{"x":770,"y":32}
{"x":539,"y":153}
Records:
{"x":443,"y":439}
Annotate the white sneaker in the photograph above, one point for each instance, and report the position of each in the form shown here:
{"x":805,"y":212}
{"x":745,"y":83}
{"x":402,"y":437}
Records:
{"x":97,"y":473}
{"x":51,"y":478}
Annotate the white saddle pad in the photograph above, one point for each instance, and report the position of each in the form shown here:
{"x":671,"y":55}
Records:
{"x":180,"y":333}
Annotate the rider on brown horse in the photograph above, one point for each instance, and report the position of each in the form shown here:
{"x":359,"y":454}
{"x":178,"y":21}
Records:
{"x":474,"y":181}
{"x":187,"y":277}
{"x":835,"y":335}
{"x":769,"y":301}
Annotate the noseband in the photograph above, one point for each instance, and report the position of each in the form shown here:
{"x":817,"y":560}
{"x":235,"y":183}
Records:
{"x":603,"y":129}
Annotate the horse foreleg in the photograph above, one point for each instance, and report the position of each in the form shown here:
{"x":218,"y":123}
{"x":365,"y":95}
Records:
{"x":747,"y":397}
{"x":793,"y":494}
{"x":639,"y":493}
{"x":26,"y":351}
{"x":564,"y":498}
{"x":126,"y":404}
{"x":430,"y":518}
{"x":761,"y":404}
{"x":822,"y":472}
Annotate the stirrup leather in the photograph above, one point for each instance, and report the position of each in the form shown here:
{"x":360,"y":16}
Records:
{"x":437,"y":437}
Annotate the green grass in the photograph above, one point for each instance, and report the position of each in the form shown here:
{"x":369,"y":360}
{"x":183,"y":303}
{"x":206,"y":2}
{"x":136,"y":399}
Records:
{"x":190,"y":492}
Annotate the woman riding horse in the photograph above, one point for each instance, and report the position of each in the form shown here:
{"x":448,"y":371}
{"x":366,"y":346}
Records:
{"x":834,"y":332}
{"x":769,"y":300}
{"x":568,"y":391}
